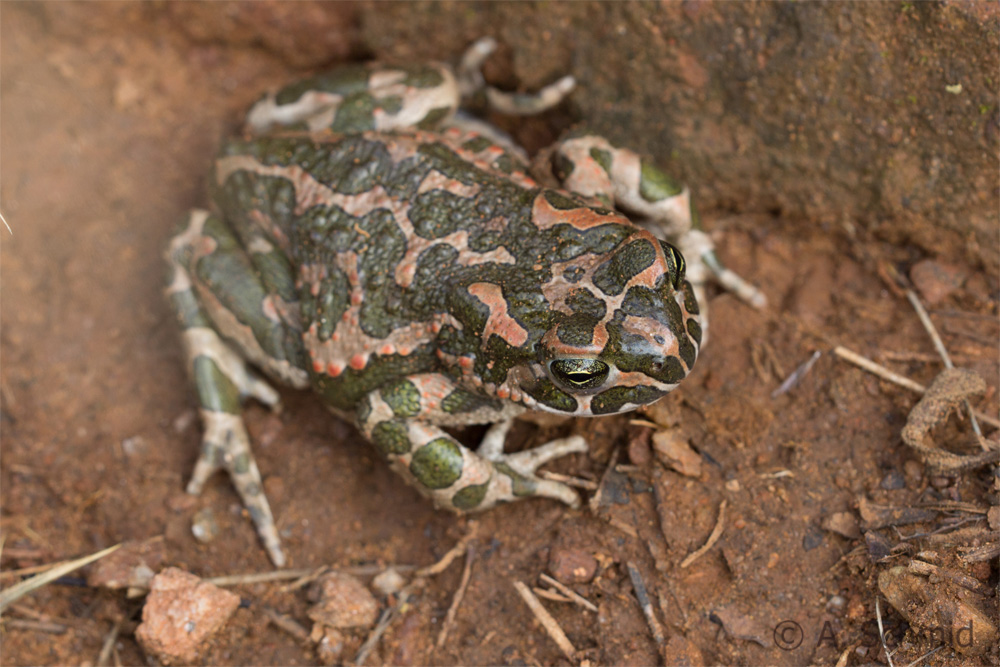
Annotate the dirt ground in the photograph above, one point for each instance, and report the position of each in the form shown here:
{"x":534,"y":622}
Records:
{"x":110,"y":116}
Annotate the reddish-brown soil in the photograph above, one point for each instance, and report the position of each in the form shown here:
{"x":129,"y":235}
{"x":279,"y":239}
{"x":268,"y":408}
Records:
{"x":110,"y":116}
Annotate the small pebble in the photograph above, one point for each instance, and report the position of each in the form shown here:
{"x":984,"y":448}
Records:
{"x":844,"y":524}
{"x":940,"y":481}
{"x":134,"y":446}
{"x":733,"y":485}
{"x":836,"y":605}
{"x":913,"y":471}
{"x":936,"y":280}
{"x":330,"y":646}
{"x":181,"y":613}
{"x":388,"y":581}
{"x":993,"y":517}
{"x":204,"y":527}
{"x":342,"y":601}
{"x":812,"y":539}
{"x":893,"y":481}
{"x":572,"y":566}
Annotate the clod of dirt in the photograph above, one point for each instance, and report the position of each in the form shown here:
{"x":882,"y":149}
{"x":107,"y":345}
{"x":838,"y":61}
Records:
{"x":936,"y":280}
{"x":683,"y":653}
{"x":388,"y":581}
{"x":993,"y":516}
{"x":132,"y":566}
{"x":934,"y":609}
{"x":329,"y":644}
{"x":342,"y":601}
{"x":878,"y":546}
{"x":572,"y":566}
{"x":842,"y":523}
{"x":181,"y":614}
{"x":673,"y":451}
{"x":879,"y":516}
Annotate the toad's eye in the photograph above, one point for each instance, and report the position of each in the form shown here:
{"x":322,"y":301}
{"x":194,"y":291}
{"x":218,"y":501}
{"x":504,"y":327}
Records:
{"x":580,"y":373}
{"x":675,"y":263}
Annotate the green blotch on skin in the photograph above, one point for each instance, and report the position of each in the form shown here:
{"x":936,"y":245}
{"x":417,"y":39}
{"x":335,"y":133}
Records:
{"x":548,"y":394}
{"x":461,"y":400}
{"x":694,"y":330}
{"x":241,"y":464}
{"x":187,"y":310}
{"x":470,"y":497}
{"x":506,"y":163}
{"x":561,"y":202}
{"x":520,"y":485}
{"x":422,"y":76}
{"x":476,"y":145}
{"x":603,"y":158}
{"x":438,"y":464}
{"x":655,"y":186}
{"x":355,"y":114}
{"x":391,"y":104}
{"x":577,"y":329}
{"x":216,"y":391}
{"x":434,"y":118}
{"x":563,"y":166}
{"x":614,"y":399}
{"x":391,"y":438}
{"x":612,"y":276}
{"x":403,"y":398}
{"x":343,"y":80}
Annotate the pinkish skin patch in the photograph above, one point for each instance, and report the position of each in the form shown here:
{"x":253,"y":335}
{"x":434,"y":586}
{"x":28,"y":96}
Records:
{"x":498,"y":322}
{"x":547,"y":216}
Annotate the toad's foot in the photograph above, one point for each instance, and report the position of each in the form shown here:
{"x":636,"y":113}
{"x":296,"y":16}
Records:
{"x":516,"y":472}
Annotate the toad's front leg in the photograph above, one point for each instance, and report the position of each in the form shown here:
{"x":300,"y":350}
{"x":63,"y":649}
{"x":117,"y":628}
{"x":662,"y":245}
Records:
{"x":590,"y":165}
{"x":403,"y":420}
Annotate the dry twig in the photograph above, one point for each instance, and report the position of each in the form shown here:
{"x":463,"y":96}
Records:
{"x":712,"y":539}
{"x":884,"y":373}
{"x":104,"y":657}
{"x":286,"y":623}
{"x":550,"y":594}
{"x":881,"y":632}
{"x":19,"y":590}
{"x":925,"y":319}
{"x":647,"y":607}
{"x":257,"y":577}
{"x":545,"y":618}
{"x":449,"y":557}
{"x":568,"y":592}
{"x":449,"y":619}
{"x":36,"y":626}
{"x":797,"y":375}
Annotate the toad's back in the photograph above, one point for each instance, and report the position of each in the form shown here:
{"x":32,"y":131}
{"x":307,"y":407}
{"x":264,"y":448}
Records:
{"x":406,"y":245}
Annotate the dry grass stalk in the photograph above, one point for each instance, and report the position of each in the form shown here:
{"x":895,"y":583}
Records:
{"x":19,"y":590}
{"x":712,"y":539}
{"x":449,"y":557}
{"x":449,"y":619}
{"x":545,"y":618}
{"x":568,"y":592}
{"x":647,"y":607}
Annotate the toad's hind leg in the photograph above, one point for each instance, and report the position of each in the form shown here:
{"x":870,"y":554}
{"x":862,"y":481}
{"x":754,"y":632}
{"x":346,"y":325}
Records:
{"x":230,"y":312}
{"x":590,"y":165}
{"x":403,"y":420}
